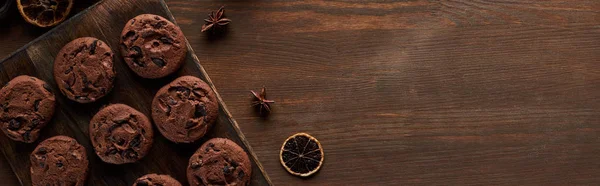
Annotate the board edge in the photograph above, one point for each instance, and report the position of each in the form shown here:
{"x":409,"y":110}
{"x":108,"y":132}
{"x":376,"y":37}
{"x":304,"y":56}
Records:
{"x":224,"y":107}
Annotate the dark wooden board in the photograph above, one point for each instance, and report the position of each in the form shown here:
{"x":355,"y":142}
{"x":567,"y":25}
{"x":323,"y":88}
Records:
{"x":105,"y":21}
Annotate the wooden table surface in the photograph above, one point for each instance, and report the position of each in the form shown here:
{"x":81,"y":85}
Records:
{"x":414,"y":92}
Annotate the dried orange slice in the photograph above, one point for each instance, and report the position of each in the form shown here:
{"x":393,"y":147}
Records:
{"x":44,"y":13}
{"x":301,"y":155}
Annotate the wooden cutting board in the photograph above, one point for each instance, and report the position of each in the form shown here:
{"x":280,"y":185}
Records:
{"x":105,"y":21}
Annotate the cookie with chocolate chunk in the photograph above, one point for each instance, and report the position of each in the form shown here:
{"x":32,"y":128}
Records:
{"x":185,"y":109}
{"x":120,"y":134}
{"x":219,"y":161}
{"x":26,"y":106}
{"x":59,"y":160}
{"x":83,"y":69}
{"x":152,"y":46}
{"x":156,"y":180}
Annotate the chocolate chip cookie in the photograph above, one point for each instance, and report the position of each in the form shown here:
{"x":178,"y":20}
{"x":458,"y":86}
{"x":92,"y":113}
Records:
{"x":120,"y":134}
{"x":185,"y":109}
{"x":219,"y":161}
{"x":59,"y":160}
{"x":83,"y":69}
{"x":26,"y":106}
{"x":153,"y":47}
{"x":156,"y":180}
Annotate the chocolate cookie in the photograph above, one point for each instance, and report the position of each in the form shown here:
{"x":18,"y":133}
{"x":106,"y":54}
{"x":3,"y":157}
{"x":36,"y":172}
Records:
{"x":83,"y":69}
{"x":219,"y":161}
{"x":120,"y":134}
{"x":59,"y":160}
{"x":26,"y":106}
{"x":185,"y":109}
{"x":152,"y":46}
{"x":156,"y":180}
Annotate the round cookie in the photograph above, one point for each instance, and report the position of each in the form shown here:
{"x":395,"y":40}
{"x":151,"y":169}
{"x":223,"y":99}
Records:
{"x":185,"y":109}
{"x":83,"y":69}
{"x":152,"y":46}
{"x":120,"y":134}
{"x":156,"y":180}
{"x":219,"y":161}
{"x":59,"y":160}
{"x":26,"y":106}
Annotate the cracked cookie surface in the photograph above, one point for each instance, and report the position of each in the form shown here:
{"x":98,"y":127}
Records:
{"x":120,"y":134}
{"x":152,"y":46}
{"x":26,"y":106}
{"x":185,"y":109}
{"x":59,"y":160}
{"x":219,"y":161}
{"x":83,"y":69}
{"x":156,"y":180}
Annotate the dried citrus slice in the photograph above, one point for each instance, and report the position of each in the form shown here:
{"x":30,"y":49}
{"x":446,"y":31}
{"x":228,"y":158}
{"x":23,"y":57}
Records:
{"x":44,"y":13}
{"x":301,"y":155}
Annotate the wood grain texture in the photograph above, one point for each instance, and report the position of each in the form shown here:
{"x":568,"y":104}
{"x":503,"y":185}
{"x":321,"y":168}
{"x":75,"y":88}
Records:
{"x":72,"y":119}
{"x":415,"y":92}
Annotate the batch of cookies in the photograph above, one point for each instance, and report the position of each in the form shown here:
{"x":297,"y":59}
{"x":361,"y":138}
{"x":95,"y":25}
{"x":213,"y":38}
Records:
{"x":183,"y":110}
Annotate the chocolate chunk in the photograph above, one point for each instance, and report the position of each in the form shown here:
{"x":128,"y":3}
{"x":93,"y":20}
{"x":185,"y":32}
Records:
{"x":185,"y":92}
{"x":166,"y":40}
{"x":47,"y":87}
{"x":159,"y":62}
{"x":42,"y":150}
{"x":195,"y":165}
{"x":69,"y":70}
{"x":234,"y":164}
{"x":189,"y":124}
{"x":200,"y":111}
{"x":172,"y":101}
{"x":198,"y":178}
{"x":226,"y":170}
{"x":14,"y":124}
{"x":137,"y":62}
{"x":159,"y":24}
{"x":135,"y":141}
{"x":241,"y":174}
{"x":35,"y":123}
{"x":27,"y":135}
{"x":111,"y":151}
{"x":149,"y":33}
{"x":137,"y":51}
{"x":141,"y":183}
{"x":120,"y":142}
{"x":36,"y":105}
{"x":93,"y":47}
{"x":59,"y":164}
{"x":129,"y":34}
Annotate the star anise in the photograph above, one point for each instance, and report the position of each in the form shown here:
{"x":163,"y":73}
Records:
{"x":261,"y":100}
{"x":215,"y":20}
